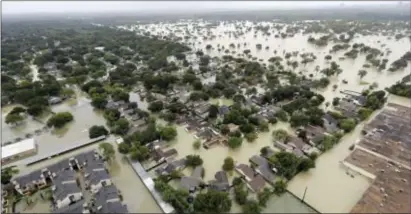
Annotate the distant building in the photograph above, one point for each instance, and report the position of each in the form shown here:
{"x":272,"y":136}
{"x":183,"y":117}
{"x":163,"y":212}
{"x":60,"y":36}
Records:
{"x":18,"y":150}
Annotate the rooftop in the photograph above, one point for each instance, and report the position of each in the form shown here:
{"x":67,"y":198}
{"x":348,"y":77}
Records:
{"x":18,"y":148}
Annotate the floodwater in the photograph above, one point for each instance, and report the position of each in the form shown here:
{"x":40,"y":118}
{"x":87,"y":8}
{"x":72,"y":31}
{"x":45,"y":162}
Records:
{"x":214,"y":157}
{"x":53,"y":140}
{"x":328,"y":183}
{"x":135,"y":194}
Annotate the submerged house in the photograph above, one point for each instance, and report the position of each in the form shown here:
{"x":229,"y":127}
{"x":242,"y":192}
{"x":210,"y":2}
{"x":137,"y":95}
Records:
{"x":220,"y":183}
{"x":191,"y":183}
{"x":107,"y":200}
{"x":254,"y":181}
{"x":96,"y":176}
{"x":263,"y":168}
{"x":172,"y":166}
{"x":330,"y":123}
{"x":65,"y":190}
{"x":78,"y":207}
{"x":28,"y":183}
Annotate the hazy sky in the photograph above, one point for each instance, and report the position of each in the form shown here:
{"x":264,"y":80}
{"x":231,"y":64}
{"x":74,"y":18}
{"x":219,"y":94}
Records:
{"x":24,"y":7}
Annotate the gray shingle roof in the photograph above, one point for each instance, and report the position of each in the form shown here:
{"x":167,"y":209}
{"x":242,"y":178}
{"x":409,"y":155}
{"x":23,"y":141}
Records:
{"x":63,"y":176}
{"x":28,"y":179}
{"x":221,"y":176}
{"x":61,"y":191}
{"x":72,"y":208}
{"x":113,"y":207}
{"x":106,"y":194}
{"x":59,"y":166}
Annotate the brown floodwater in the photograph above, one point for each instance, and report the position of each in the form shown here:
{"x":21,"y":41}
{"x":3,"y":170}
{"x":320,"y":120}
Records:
{"x":328,"y":182}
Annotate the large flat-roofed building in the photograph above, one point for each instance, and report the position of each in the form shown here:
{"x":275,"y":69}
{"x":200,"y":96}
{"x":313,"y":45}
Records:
{"x":18,"y":150}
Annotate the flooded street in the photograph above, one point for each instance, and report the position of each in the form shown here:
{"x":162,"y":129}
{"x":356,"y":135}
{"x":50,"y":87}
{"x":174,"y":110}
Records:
{"x":329,"y":181}
{"x":325,"y":185}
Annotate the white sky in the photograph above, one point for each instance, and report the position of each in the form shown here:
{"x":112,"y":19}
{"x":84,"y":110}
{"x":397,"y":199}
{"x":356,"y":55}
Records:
{"x":24,"y":7}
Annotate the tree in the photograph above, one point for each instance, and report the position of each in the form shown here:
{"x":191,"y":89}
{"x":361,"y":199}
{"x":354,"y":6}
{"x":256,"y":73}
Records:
{"x":97,"y":131}
{"x":235,"y":142}
{"x":362,"y":73}
{"x":124,"y":148}
{"x":156,"y":106}
{"x":7,"y":173}
{"x":60,"y":119}
{"x":280,"y":187}
{"x":336,"y":101}
{"x":212,"y":202}
{"x":139,"y":152}
{"x":252,"y":206}
{"x":197,"y":144}
{"x":213,"y":111}
{"x":228,"y":164}
{"x":286,"y":163}
{"x":99,"y":101}
{"x":167,"y":133}
{"x":225,"y":130}
{"x":364,"y":113}
{"x":194,"y":160}
{"x":305,"y":164}
{"x":17,"y":110}
{"x":107,"y":150}
{"x":14,"y":118}
{"x":280,"y":135}
{"x":240,"y":194}
{"x":35,"y":110}
{"x":251,"y":137}
{"x":282,"y":115}
{"x":264,"y":196}
{"x":121,"y":126}
{"x":347,"y":124}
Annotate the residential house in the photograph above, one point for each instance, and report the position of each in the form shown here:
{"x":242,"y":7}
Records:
{"x":54,"y":100}
{"x":78,"y":207}
{"x":30,"y":182}
{"x":258,"y":99}
{"x":159,"y":155}
{"x":268,"y":152}
{"x":255,"y":182}
{"x":314,"y":134}
{"x":206,"y":134}
{"x":223,"y":110}
{"x":330,"y":123}
{"x":112,"y":105}
{"x":56,"y":168}
{"x":348,"y":109}
{"x":263,"y":168}
{"x":170,"y":167}
{"x":96,"y":176}
{"x":157,"y":144}
{"x":191,"y":183}
{"x":202,"y":110}
{"x":233,"y":127}
{"x":65,"y":190}
{"x":107,"y":200}
{"x":291,"y":147}
{"x":81,"y":160}
{"x":220,"y":183}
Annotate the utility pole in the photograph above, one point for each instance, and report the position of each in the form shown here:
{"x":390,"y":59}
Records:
{"x":305,"y":191}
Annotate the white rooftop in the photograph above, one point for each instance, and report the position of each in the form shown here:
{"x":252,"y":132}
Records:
{"x":17,"y":148}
